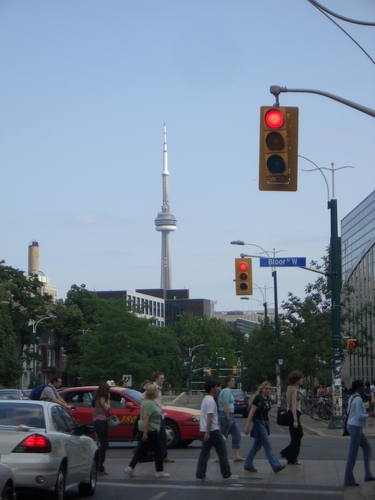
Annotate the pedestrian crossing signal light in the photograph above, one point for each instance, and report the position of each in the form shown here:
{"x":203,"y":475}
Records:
{"x":244,"y":277}
{"x":208,"y":372}
{"x":234,"y":370}
{"x":351,"y":344}
{"x":278,"y":149}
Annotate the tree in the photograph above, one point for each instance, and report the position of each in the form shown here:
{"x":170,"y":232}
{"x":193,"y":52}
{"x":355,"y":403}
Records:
{"x":10,"y":367}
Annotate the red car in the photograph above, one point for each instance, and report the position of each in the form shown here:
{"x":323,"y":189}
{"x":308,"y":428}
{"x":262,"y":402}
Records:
{"x":182,"y":424}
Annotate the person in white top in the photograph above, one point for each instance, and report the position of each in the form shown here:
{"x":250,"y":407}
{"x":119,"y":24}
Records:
{"x":211,"y":436}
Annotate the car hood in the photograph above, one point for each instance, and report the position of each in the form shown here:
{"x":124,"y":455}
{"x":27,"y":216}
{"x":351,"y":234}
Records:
{"x":190,"y":411}
{"x":9,"y":439}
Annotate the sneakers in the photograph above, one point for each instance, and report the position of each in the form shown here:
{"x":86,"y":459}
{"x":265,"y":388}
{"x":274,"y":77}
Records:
{"x":162,"y":474}
{"x":231,"y":478}
{"x":130,"y":472}
{"x":102,"y":473}
{"x":206,"y":478}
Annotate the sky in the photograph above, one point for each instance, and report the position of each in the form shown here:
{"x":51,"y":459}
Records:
{"x":85,"y":89}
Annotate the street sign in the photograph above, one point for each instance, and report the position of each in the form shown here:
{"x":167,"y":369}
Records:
{"x":283,"y":262}
{"x":128,"y":380}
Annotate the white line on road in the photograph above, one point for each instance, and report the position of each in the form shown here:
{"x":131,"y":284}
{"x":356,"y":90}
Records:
{"x":159,"y":495}
{"x":234,"y":487}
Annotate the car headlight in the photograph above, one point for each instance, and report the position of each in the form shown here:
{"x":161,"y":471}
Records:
{"x":195,"y":418}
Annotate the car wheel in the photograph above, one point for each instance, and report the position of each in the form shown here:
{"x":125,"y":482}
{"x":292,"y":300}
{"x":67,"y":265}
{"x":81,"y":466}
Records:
{"x":173,"y":435}
{"x":59,"y":492}
{"x":88,"y":489}
{"x":7,"y":493}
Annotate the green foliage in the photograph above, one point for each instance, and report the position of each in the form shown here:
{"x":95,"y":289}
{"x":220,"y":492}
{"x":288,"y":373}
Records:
{"x":10,"y":367}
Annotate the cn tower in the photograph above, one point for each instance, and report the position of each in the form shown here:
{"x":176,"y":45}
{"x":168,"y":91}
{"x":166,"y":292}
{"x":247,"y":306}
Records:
{"x":165,"y":222}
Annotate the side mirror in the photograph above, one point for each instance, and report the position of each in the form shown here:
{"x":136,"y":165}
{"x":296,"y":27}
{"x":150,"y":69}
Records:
{"x":131,"y":405}
{"x":85,"y":430}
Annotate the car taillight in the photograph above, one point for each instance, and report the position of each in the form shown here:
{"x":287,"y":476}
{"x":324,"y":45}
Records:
{"x":36,"y":443}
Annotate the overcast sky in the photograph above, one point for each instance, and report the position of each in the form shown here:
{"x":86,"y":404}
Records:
{"x":86,"y":87}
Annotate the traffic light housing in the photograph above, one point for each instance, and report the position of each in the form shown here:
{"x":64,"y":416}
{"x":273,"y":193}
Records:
{"x":208,"y":372}
{"x":234,"y":370}
{"x":244,"y":276}
{"x":278,"y":148}
{"x":351,"y":344}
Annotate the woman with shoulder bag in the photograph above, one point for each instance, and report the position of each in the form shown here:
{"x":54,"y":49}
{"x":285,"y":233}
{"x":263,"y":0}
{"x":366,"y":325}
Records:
{"x":258,"y":415}
{"x":293,"y":401}
{"x":101,"y":406}
{"x":149,"y":427}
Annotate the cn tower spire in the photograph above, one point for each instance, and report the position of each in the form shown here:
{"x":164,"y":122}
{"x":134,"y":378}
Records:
{"x":165,"y":222}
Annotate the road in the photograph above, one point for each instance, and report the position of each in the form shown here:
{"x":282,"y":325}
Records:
{"x":323,"y":454}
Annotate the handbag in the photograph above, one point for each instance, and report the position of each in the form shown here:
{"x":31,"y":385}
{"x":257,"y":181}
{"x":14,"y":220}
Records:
{"x":113,"y":421}
{"x":282,"y":417}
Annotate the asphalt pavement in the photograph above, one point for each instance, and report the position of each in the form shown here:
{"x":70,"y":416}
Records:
{"x":317,"y":477}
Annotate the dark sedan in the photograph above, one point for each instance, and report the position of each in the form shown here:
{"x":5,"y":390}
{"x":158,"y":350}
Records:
{"x":241,"y":402}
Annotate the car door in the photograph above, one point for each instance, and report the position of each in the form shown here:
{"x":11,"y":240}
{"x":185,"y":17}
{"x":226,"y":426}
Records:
{"x":71,"y":444}
{"x":81,"y":400}
{"x":83,"y":460}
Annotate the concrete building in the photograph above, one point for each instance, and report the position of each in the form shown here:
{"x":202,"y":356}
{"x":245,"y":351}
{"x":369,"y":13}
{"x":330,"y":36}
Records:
{"x":358,"y":269}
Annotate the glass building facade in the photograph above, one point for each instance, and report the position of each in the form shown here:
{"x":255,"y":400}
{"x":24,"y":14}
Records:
{"x":358,"y":269}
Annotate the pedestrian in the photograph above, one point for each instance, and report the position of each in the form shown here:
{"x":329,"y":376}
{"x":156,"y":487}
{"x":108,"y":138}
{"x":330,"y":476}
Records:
{"x":293,"y":401}
{"x":320,"y":391}
{"x":228,"y":424}
{"x":158,"y":378}
{"x":211,"y":436}
{"x":101,"y":405}
{"x":357,"y":417}
{"x":50,"y":393}
{"x":149,"y":428}
{"x":122,"y":384}
{"x":145,"y":384}
{"x":260,"y":431}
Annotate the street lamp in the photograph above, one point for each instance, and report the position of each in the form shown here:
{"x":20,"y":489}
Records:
{"x":34,"y":324}
{"x":191,"y":350}
{"x":337,"y":421}
{"x":239,"y":368}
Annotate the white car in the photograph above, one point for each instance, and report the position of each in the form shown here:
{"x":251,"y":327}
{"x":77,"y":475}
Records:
{"x":7,"y":488}
{"x":46,"y":449}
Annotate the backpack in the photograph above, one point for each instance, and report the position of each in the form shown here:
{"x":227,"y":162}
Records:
{"x":37,"y":392}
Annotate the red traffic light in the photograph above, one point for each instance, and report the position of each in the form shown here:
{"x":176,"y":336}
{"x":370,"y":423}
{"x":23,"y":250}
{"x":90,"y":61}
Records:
{"x":243,"y":266}
{"x":274,"y":118}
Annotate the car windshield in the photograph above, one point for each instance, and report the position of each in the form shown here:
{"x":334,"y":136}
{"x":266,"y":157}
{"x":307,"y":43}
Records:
{"x":238,"y":394}
{"x":10,"y":395}
{"x":16,"y":414}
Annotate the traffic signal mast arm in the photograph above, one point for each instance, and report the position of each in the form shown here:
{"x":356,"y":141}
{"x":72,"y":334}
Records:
{"x":275,"y":90}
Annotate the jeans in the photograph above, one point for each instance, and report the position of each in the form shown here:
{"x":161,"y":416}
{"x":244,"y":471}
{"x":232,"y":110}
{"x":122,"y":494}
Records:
{"x":218,"y":442}
{"x":357,"y":439}
{"x":230,"y":427}
{"x":101,"y":429}
{"x":152,"y":443}
{"x":261,"y":439}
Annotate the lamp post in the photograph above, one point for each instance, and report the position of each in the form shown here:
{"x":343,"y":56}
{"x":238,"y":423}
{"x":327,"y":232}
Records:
{"x":239,"y":368}
{"x":336,"y":421}
{"x":34,"y":324}
{"x":277,"y":330}
{"x":191,"y":350}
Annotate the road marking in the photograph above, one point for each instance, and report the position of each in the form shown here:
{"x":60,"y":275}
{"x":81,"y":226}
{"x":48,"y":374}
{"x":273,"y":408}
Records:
{"x":235,"y":487}
{"x":156,"y":497}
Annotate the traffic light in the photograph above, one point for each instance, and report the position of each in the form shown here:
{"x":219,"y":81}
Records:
{"x":208,"y":372}
{"x":244,"y":278}
{"x":278,"y":149}
{"x":234,"y":370}
{"x":351,"y":344}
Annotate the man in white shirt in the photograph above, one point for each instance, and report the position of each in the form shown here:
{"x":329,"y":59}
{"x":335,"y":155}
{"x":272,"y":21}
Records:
{"x":50,"y":393}
{"x":211,"y":436}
